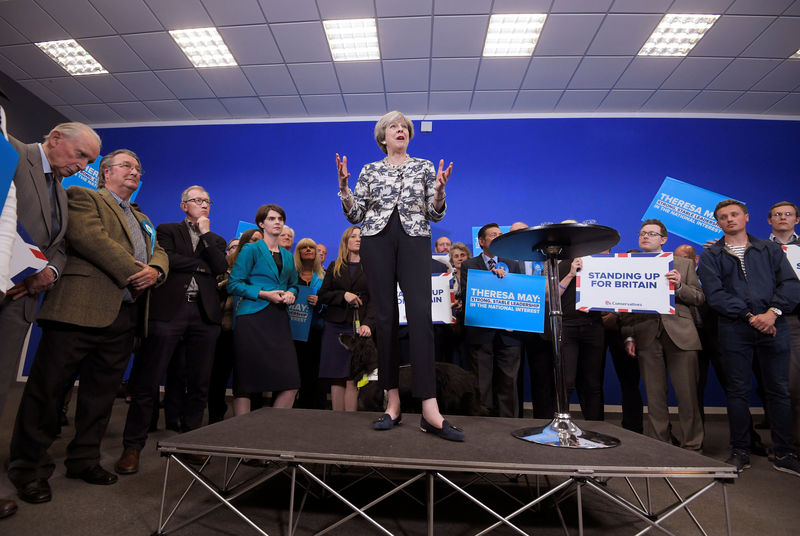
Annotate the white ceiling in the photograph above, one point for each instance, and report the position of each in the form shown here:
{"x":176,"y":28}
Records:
{"x":431,"y":64}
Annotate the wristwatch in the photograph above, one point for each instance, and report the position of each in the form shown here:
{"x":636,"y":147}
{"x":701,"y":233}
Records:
{"x":777,"y":311}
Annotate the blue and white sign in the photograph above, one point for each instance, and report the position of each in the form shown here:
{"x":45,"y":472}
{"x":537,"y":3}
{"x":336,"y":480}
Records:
{"x":793,"y":254}
{"x":244,"y":226}
{"x":514,"y":302}
{"x":441,"y":301}
{"x":686,"y":210}
{"x":8,"y":165}
{"x":300,"y":313}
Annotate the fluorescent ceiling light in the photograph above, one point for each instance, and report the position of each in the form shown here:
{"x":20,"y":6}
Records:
{"x":676,"y":35}
{"x":796,"y":55}
{"x":353,"y":39}
{"x":204,"y":47}
{"x":513,"y":35}
{"x":72,"y":57}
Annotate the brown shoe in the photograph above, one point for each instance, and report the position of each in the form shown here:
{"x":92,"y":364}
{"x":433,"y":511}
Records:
{"x":193,"y":459}
{"x":128,"y":463}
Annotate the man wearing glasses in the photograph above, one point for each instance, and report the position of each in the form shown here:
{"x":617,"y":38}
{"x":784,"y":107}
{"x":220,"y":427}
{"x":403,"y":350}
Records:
{"x":664,"y":343}
{"x":186,"y":308}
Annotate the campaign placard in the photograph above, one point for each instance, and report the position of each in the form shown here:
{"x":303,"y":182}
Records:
{"x":793,"y":254}
{"x":441,"y":301}
{"x":26,"y":258}
{"x":244,"y":226}
{"x":300,"y":314}
{"x":686,"y":210}
{"x":625,"y":282}
{"x":514,"y":302}
{"x":8,"y":165}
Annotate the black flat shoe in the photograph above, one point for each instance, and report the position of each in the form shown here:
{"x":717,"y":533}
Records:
{"x":94,"y":475}
{"x":385,"y":422}
{"x":447,"y":431}
{"x":7,"y":508}
{"x":35,"y":491}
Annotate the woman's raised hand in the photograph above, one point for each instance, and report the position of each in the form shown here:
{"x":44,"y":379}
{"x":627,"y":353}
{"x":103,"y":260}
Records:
{"x":341,"y":167}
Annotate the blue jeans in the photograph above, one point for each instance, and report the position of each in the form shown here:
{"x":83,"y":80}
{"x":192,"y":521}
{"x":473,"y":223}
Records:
{"x":739,"y":343}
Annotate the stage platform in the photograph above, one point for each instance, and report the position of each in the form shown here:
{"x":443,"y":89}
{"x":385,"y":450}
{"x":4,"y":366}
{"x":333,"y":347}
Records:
{"x":306,"y":441}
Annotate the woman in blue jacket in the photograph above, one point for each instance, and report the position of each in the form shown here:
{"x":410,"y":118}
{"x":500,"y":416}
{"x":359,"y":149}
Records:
{"x":265,"y":277}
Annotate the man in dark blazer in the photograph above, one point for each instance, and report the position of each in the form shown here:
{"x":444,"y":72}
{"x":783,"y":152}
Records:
{"x":668,"y":343}
{"x":186,"y":308}
{"x":88,"y":322}
{"x":494,"y":354}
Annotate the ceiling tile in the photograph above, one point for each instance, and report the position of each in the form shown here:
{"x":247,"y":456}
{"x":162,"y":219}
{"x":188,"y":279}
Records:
{"x":72,"y":114}
{"x":785,"y":77}
{"x":580,"y":100}
{"x":580,"y":6}
{"x":324,"y":104}
{"x":32,"y":60}
{"x":283,"y":11}
{"x":794,"y":9}
{"x":70,"y":90}
{"x":780,"y":40}
{"x":206,"y":108}
{"x":406,"y":75}
{"x":393,"y":8}
{"x":146,"y":86}
{"x":251,"y":45}
{"x":789,"y":105}
{"x":730,"y":35}
{"x":598,"y":72}
{"x":624,"y":100}
{"x":449,"y":102}
{"x":227,"y":81}
{"x":567,"y":35}
{"x":623,"y":34}
{"x":169,"y":110}
{"x":454,"y":73}
{"x":244,"y":107}
{"x":501,"y":73}
{"x":537,"y":101}
{"x":360,"y":76}
{"x":492,"y":101}
{"x":669,"y":100}
{"x":759,"y":7}
{"x":521,"y":6}
{"x":346,"y":9}
{"x":113,"y":53}
{"x":182,"y":14}
{"x":9,"y":36}
{"x":78,"y":17}
{"x":35,"y":87}
{"x":647,"y":72}
{"x":158,"y":50}
{"x":459,"y":36}
{"x":227,"y":13}
{"x":640,"y":6}
{"x":130,"y":16}
{"x":409,"y":103}
{"x":270,"y":79}
{"x":27,"y":18}
{"x":133,"y":111}
{"x":106,"y":88}
{"x":700,"y":6}
{"x":755,"y":102}
{"x":712,"y":101}
{"x":461,"y":7}
{"x":365,"y":104}
{"x":695,"y":73}
{"x":550,"y":73}
{"x":185,"y":84}
{"x":302,"y":42}
{"x":284,"y":106}
{"x":394,"y":38}
{"x":314,"y":78}
{"x":98,"y":113}
{"x":742,"y":73}
{"x":11,"y":69}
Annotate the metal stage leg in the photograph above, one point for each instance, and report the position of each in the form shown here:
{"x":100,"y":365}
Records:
{"x":561,"y":432}
{"x":430,"y":504}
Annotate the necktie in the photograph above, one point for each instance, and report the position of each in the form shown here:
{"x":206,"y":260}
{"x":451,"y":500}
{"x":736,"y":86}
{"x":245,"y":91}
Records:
{"x":492,"y":264}
{"x":55,"y":213}
{"x":139,"y":245}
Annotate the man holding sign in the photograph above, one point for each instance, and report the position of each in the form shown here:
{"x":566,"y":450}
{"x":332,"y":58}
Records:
{"x":668,"y":342}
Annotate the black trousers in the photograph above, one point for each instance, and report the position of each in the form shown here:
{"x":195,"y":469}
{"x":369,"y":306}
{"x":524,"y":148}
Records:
{"x":199,"y":339}
{"x":220,"y":376}
{"x":627,"y":369}
{"x":99,"y":356}
{"x":390,"y":258}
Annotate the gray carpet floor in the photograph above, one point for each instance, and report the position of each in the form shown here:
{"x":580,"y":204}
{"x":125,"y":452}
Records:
{"x":763,"y":501}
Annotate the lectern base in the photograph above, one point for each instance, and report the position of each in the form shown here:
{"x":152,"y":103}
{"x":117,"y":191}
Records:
{"x":562,"y":432}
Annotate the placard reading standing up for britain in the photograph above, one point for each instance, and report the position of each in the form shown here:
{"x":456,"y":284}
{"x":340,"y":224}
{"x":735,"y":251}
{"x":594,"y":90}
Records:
{"x":514,"y":302}
{"x":625,"y":282}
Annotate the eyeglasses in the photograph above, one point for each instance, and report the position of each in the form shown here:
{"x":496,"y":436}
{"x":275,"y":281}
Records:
{"x":786,"y":214}
{"x":200,"y":201}
{"x":128,"y":166}
{"x":651,"y":234}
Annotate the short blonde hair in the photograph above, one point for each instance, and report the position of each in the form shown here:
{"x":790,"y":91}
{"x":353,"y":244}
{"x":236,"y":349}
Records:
{"x":385,"y":121}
